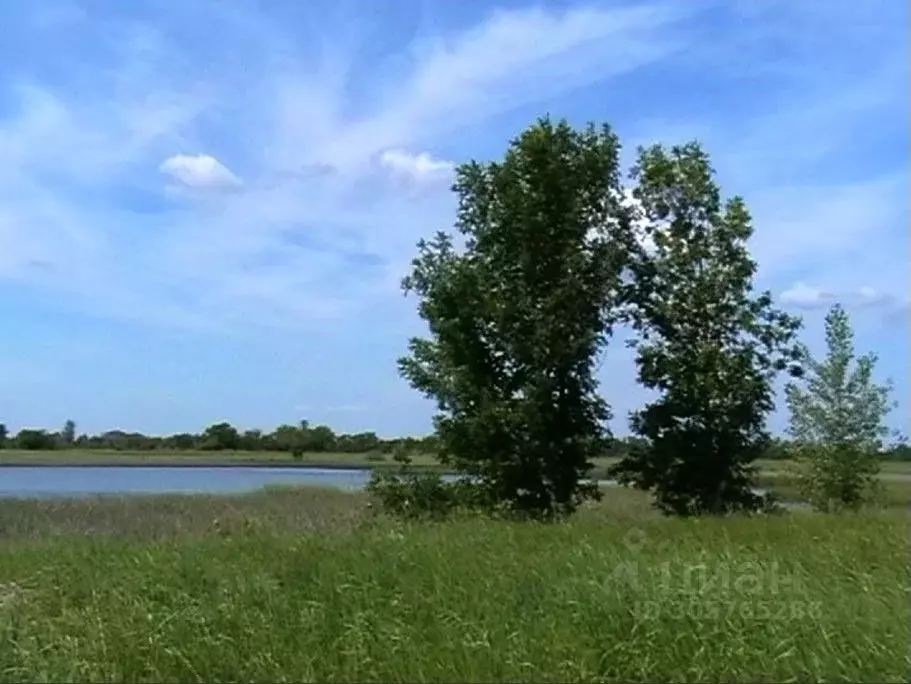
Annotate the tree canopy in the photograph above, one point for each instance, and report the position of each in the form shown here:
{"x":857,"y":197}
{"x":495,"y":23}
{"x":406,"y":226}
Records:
{"x":518,"y":313}
{"x":706,"y":343}
{"x":837,"y":419}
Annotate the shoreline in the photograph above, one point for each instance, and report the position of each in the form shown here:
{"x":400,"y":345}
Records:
{"x":259,"y":463}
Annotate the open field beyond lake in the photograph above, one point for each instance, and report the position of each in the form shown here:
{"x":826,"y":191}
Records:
{"x":895,"y":491}
{"x":897,"y":470}
{"x":75,"y":457}
{"x":311,"y":585}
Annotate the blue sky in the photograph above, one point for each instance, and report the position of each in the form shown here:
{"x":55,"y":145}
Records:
{"x":206,"y":207}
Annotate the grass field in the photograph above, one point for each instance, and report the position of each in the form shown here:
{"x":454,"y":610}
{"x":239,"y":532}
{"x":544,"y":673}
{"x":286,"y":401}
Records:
{"x":895,"y":492}
{"x":204,"y":458}
{"x":889,"y":469}
{"x":311,"y":585}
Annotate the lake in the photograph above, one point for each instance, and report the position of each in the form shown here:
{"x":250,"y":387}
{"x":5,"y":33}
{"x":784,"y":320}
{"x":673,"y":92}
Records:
{"x":77,"y":481}
{"x":42,"y":482}
{"x":80,"y":481}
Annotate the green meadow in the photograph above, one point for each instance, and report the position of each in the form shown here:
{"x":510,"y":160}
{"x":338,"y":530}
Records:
{"x":291,"y":585}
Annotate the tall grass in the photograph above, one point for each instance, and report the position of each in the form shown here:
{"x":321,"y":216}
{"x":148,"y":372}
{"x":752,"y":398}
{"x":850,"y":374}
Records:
{"x":313,"y":594}
{"x":894,"y":494}
{"x":208,"y":458}
{"x":276,"y":510}
{"x":423,"y":461}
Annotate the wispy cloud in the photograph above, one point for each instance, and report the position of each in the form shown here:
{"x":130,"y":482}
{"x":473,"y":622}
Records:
{"x":278,"y":250}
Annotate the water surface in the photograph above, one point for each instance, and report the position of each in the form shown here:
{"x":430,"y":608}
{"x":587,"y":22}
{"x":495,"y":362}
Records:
{"x":42,"y":482}
{"x":76,"y":481}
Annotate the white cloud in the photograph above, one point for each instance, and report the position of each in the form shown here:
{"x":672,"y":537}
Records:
{"x":422,"y":167}
{"x":200,"y":171}
{"x":804,"y":296}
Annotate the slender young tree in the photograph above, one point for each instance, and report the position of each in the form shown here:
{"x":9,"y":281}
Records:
{"x":517,"y":315}
{"x":706,"y":344}
{"x":68,"y":434}
{"x":837,"y":420}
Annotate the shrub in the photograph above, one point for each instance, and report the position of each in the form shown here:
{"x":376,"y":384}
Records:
{"x":837,"y":477}
{"x":410,"y":494}
{"x":423,"y":495}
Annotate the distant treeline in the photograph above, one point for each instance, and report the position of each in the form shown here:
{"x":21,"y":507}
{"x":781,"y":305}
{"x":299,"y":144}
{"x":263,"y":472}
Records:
{"x":302,"y":438}
{"x":299,"y":439}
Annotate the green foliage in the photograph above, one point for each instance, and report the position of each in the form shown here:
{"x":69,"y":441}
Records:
{"x":838,"y":420}
{"x":287,"y":438}
{"x":68,"y":434}
{"x":319,"y":439}
{"x":414,"y":494}
{"x":707,"y":345}
{"x":224,"y":437}
{"x":136,"y":441}
{"x":183,"y":440}
{"x":35,"y":440}
{"x":777,"y":449}
{"x":517,"y":316}
{"x":423,"y":495}
{"x":302,"y":439}
{"x":220,"y":437}
{"x":250,"y":439}
{"x":899,"y":451}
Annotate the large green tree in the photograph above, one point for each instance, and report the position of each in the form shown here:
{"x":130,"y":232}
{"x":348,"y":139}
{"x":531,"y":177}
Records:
{"x":517,"y":314}
{"x":707,"y":345}
{"x":35,"y":440}
{"x":219,"y":437}
{"x":838,"y":420}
